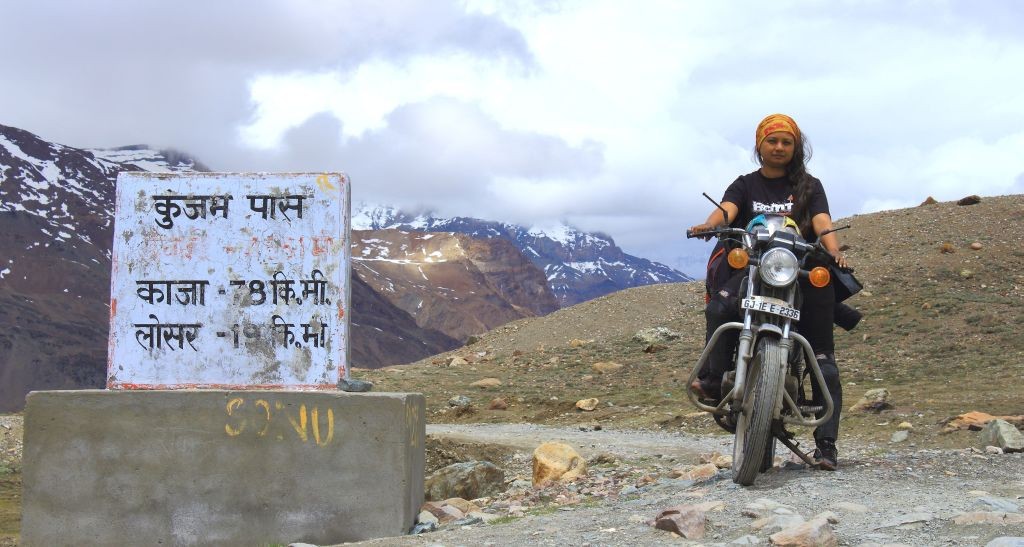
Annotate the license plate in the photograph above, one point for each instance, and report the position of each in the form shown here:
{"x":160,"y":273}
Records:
{"x":770,"y":305}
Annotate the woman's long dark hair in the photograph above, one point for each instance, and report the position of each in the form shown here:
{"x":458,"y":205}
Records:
{"x":800,"y":181}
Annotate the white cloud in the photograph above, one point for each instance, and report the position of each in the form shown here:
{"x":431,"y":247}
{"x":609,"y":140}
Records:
{"x":612,"y":115}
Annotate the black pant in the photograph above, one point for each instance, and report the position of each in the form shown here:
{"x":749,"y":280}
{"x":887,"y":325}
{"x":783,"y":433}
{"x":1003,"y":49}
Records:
{"x":816,"y":317}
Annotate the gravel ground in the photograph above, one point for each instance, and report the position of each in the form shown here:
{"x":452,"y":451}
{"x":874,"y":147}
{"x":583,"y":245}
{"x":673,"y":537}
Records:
{"x":880,"y":495}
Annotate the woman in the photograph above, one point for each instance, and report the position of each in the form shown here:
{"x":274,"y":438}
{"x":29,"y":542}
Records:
{"x":781,"y":185}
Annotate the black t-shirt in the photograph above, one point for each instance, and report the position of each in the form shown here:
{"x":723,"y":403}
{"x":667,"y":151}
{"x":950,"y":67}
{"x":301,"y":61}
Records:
{"x":756,"y":194}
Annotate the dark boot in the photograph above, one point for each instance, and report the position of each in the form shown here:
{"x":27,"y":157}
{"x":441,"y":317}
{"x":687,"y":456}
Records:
{"x":826,"y":455}
{"x":708,"y":385}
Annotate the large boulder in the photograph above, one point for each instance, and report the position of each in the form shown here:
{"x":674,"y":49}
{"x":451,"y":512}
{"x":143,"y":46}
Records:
{"x":557,"y":462}
{"x":813,"y":533}
{"x":467,"y":480}
{"x":1004,"y":435}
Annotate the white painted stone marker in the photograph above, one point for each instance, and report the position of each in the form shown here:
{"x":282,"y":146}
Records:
{"x":230,"y":281}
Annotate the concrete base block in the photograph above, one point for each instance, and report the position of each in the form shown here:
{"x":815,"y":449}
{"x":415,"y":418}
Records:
{"x":220,"y":467}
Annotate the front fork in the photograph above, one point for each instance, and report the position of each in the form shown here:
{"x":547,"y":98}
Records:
{"x":744,"y":351}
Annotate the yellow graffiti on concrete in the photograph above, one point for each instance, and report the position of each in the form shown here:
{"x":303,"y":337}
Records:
{"x":262,"y":417}
{"x":324,"y":182}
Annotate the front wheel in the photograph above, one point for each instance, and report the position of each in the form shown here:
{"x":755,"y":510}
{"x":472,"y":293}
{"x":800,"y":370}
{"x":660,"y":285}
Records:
{"x":761,"y":397}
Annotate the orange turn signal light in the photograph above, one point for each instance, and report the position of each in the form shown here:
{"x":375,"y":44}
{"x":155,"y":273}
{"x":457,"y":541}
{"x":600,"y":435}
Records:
{"x":738,"y":259}
{"x":819,"y":277}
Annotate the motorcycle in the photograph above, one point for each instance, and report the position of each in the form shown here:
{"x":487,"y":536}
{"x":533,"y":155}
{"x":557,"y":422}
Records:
{"x":764,"y":392}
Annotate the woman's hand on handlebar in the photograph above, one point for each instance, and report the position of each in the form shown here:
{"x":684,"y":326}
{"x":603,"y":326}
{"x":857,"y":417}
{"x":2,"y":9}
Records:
{"x":699,"y":229}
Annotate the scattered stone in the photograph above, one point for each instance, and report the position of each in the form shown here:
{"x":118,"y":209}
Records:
{"x":777,"y":522}
{"x":556,"y":462}
{"x":426,"y":516}
{"x":554,"y":361}
{"x":816,"y":532}
{"x":1000,"y":504}
{"x":483,"y":517}
{"x":498,"y":403}
{"x":994,"y":450}
{"x":908,"y":520}
{"x":721,"y":461}
{"x":655,"y":335}
{"x":467,"y":480}
{"x":975,"y":421}
{"x":486,"y":383}
{"x":763,"y":507}
{"x":966,"y":274}
{"x":874,"y":400}
{"x":988,"y":517}
{"x":685,"y":520}
{"x":694,"y":473}
{"x":976,"y":246}
{"x":1006,"y":541}
{"x":461,"y":504}
{"x":746,"y":540}
{"x":607,"y":367}
{"x":587,"y":404}
{"x":459,"y":401}
{"x":457,"y":362}
{"x":587,"y":377}
{"x":517,"y":353}
{"x":947,"y":248}
{"x":1004,"y":435}
{"x":928,"y":201}
{"x":905,"y":425}
{"x":900,"y":436}
{"x":603,"y":458}
{"x":576,"y":343}
{"x":354,"y":386}
{"x":423,"y":528}
{"x":969,"y":200}
{"x":850,"y":507}
{"x":655,"y":348}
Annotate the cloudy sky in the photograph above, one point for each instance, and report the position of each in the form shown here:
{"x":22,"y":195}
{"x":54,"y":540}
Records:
{"x":611,"y":115}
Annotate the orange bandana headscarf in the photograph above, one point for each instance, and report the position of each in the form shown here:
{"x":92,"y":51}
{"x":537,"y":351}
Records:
{"x":774,"y":123}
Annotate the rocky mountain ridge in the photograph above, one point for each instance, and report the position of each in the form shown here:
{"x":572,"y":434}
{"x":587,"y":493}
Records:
{"x":579,"y":266}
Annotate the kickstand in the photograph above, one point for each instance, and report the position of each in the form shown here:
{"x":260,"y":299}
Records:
{"x":795,"y":449}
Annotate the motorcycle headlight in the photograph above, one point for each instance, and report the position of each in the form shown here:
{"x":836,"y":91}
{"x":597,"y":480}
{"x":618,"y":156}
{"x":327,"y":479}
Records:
{"x":778,"y":267}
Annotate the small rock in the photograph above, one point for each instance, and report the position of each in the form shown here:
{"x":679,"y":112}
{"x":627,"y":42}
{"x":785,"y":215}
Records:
{"x":576,"y":343}
{"x":587,"y":404}
{"x":587,"y":377}
{"x":483,"y":517}
{"x":831,"y":517}
{"x":654,"y":348}
{"x":498,"y":403}
{"x":777,"y":522}
{"x":976,"y":421}
{"x":694,"y":473}
{"x":426,"y":516}
{"x":994,"y":450}
{"x":947,"y":248}
{"x":607,"y":367}
{"x":1006,"y":541}
{"x":457,"y":362}
{"x":908,"y":519}
{"x":905,"y":425}
{"x":459,"y":401}
{"x":556,"y":462}
{"x":463,"y":505}
{"x":473,"y":339}
{"x":966,"y":274}
{"x":746,"y":540}
{"x":874,"y":400}
{"x":423,"y":528}
{"x":988,"y":517}
{"x":899,"y":436}
{"x":1004,"y":435}
{"x":655,"y":335}
{"x":603,"y":458}
{"x":999,"y":504}
{"x":976,"y":246}
{"x":486,"y":383}
{"x":685,"y":520}
{"x":928,"y":201}
{"x":816,"y":532}
{"x":969,"y":200}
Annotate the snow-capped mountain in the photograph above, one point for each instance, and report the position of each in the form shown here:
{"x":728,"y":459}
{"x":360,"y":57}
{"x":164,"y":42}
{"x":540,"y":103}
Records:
{"x":579,"y":265}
